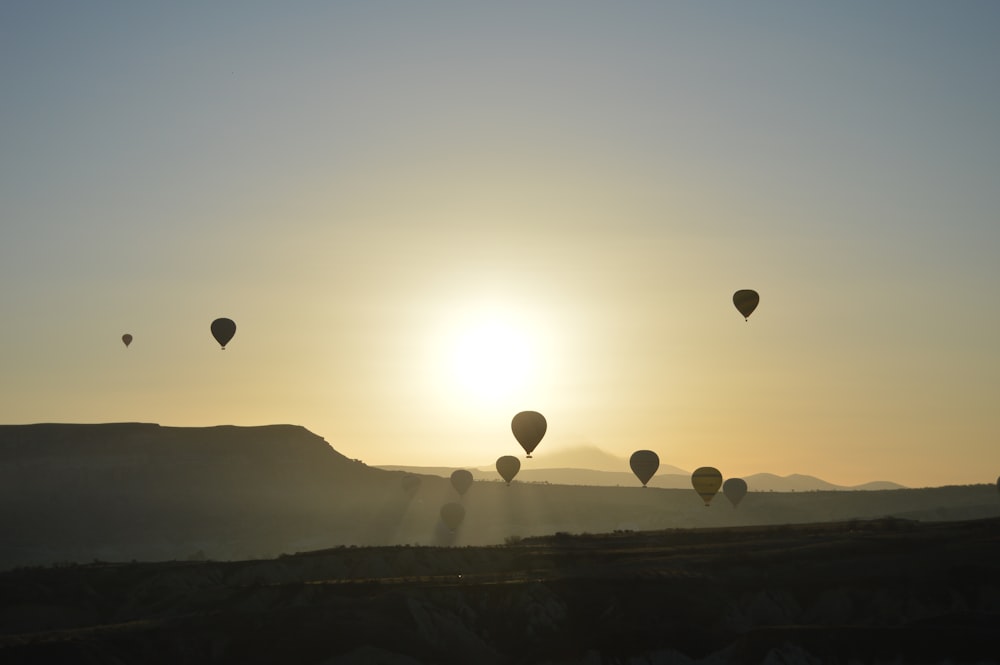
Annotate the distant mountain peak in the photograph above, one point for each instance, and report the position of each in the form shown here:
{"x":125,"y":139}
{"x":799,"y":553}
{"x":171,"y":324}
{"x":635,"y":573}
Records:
{"x":582,"y":456}
{"x":589,"y":457}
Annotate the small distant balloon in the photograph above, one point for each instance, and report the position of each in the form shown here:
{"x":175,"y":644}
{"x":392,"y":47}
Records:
{"x":746,"y":301}
{"x":223,"y":330}
{"x":529,"y":428}
{"x":452,"y":515}
{"x":507,"y":467}
{"x":734,"y":489}
{"x":461,"y":480}
{"x":644,"y":464}
{"x":411,"y":484}
{"x":706,"y":481}
{"x":127,"y":339}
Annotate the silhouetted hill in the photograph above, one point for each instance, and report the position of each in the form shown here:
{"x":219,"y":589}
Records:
{"x":797,"y":482}
{"x":118,"y":492}
{"x":880,"y":591}
{"x":666,"y":477}
{"x":134,"y":490}
{"x":587,"y":457}
{"x":556,"y":476}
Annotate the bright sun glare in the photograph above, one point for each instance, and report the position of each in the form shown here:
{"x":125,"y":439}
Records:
{"x":490,"y":358}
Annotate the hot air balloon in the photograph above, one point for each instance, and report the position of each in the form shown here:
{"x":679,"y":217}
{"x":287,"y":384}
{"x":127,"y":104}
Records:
{"x":706,"y":481}
{"x":223,"y":331}
{"x":507,"y":467}
{"x":644,"y":464}
{"x":461,"y":480}
{"x":452,"y":515}
{"x":746,"y":301}
{"x":529,"y":428}
{"x":411,"y":484}
{"x":734,"y":489}
{"x":127,"y":339}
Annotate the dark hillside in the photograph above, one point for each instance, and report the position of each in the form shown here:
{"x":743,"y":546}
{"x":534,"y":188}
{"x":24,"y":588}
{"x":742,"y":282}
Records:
{"x":131,"y":491}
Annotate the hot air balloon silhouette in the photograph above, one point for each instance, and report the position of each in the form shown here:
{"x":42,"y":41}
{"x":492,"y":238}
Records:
{"x":706,"y":481}
{"x":529,"y":428}
{"x":223,"y":330}
{"x":461,"y":480}
{"x":746,"y":301}
{"x":452,"y":515}
{"x":507,"y":467}
{"x":644,"y":464}
{"x":127,"y":339}
{"x":734,"y":489}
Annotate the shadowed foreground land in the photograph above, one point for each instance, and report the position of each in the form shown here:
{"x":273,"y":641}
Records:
{"x":885,"y":590}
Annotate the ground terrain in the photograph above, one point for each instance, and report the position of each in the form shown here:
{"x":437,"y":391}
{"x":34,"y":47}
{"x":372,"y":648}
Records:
{"x":884,"y":590}
{"x":134,"y":543}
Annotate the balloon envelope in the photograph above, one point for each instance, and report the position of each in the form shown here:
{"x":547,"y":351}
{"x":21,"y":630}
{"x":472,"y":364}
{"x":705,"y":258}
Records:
{"x":223,"y":330}
{"x":746,"y":301}
{"x":507,"y":467}
{"x":127,"y":339}
{"x":706,"y":481}
{"x":452,"y":515}
{"x":734,"y":489}
{"x":644,"y":464}
{"x":529,"y":428}
{"x":461,"y":480}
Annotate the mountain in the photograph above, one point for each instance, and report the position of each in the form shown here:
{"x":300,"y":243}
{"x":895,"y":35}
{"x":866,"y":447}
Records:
{"x":797,"y":482}
{"x":136,"y":490}
{"x":555,"y":476}
{"x":578,"y":457}
{"x":877,"y":485}
{"x":666,"y":477}
{"x":124,"y":491}
{"x":590,"y":465}
{"x":587,"y":457}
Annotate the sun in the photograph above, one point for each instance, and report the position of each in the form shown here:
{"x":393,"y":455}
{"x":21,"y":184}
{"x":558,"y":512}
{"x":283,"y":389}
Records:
{"x":491,"y":359}
{"x":486,"y":357}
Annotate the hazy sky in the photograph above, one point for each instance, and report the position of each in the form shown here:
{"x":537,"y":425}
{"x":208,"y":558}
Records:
{"x":425,"y":217}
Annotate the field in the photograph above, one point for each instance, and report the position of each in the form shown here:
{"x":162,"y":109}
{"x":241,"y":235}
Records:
{"x":886,"y":590}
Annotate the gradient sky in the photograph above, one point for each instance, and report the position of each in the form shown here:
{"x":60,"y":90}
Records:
{"x":363,"y":186}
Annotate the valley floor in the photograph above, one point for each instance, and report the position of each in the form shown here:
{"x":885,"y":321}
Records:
{"x":876,"y":591}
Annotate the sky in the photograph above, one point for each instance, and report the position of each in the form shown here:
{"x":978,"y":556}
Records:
{"x":427,"y":217}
